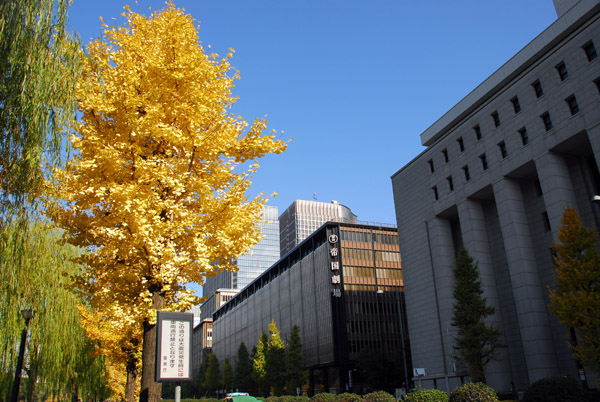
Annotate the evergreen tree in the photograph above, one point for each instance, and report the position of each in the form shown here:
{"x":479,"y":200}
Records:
{"x":227,"y":380}
{"x":243,"y":371}
{"x":212,"y":377}
{"x":296,"y":375}
{"x":275,"y":361}
{"x":575,"y":299}
{"x":259,"y":363}
{"x":201,"y":375}
{"x":476,"y":343}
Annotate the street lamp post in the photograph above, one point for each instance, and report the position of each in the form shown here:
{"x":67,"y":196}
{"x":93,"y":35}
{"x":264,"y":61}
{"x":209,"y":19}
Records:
{"x":27,"y":314}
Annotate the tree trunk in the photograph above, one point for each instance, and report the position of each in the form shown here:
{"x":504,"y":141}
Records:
{"x":151,"y":390}
{"x":132,"y":375}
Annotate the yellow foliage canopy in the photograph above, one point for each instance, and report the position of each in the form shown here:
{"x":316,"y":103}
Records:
{"x":156,"y":189}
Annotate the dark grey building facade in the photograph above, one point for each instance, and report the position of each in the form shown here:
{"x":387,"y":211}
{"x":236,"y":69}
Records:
{"x":499,"y":169}
{"x":342,"y":286}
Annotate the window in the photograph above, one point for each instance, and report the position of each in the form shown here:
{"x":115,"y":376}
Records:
{"x":435,"y":192}
{"x":597,"y":82}
{"x":461,"y":144}
{"x":562,"y":71}
{"x":547,"y":121}
{"x":537,"y":87}
{"x":524,"y":136}
{"x":503,"y":151}
{"x":546,"y":221}
{"x":450,"y":183}
{"x":573,"y":106}
{"x":431,"y":167}
{"x":445,"y":153}
{"x":477,"y":132}
{"x":466,"y":172}
{"x":483,"y":160}
{"x":496,"y":118}
{"x":516,"y":104}
{"x":590,"y":51}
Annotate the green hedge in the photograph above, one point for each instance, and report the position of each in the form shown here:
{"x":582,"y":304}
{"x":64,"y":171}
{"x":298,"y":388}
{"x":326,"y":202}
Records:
{"x":473,"y":392}
{"x":427,"y":395}
{"x":379,"y":396}
{"x":554,"y":389}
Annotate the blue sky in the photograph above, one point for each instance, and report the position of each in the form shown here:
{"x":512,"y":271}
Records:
{"x":354,"y":82}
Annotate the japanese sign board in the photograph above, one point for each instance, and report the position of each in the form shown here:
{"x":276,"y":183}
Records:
{"x":174,"y":346}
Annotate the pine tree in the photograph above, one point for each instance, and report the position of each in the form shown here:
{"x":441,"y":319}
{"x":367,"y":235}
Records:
{"x":212,"y":377}
{"x":259,"y":372}
{"x":275,"y":361}
{"x":243,"y":370}
{"x":296,"y":374}
{"x":575,"y":299}
{"x":227,"y":379}
{"x":476,"y":343}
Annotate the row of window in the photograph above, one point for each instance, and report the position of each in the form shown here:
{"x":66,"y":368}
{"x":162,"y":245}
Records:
{"x":524,"y":136}
{"x":561,"y":68}
{"x":368,"y":272}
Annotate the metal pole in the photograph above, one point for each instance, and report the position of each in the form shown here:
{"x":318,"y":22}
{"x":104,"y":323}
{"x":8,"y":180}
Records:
{"x":14,"y":395}
{"x":178,"y":392}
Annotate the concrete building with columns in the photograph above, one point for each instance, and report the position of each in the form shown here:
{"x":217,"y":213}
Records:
{"x":498,"y":171}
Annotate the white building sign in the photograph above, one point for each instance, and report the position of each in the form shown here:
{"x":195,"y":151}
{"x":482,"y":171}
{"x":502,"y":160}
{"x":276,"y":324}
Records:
{"x":174,"y":346}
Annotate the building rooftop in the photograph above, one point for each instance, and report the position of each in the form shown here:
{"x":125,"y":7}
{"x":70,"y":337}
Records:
{"x":562,"y":27}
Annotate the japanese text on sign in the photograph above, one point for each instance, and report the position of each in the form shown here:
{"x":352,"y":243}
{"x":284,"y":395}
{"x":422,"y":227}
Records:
{"x":174,"y":349}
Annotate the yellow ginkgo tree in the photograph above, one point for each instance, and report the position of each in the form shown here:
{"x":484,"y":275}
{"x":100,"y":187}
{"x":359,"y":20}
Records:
{"x":156,"y":189}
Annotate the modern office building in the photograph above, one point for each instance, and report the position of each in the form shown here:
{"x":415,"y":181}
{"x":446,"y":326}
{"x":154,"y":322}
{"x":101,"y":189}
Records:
{"x":342,"y":286}
{"x":250,"y":265}
{"x":302,"y":218}
{"x":498,"y":171}
{"x":225,"y":285}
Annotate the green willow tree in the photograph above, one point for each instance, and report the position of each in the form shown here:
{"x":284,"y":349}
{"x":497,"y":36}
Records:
{"x":575,"y":299}
{"x":35,"y":274}
{"x":476,"y":343}
{"x":39,"y":65}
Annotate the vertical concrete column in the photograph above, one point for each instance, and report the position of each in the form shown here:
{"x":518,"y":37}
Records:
{"x":594,"y":137}
{"x":443,"y":258}
{"x":475,"y":240}
{"x":528,"y":292}
{"x":557,"y":187}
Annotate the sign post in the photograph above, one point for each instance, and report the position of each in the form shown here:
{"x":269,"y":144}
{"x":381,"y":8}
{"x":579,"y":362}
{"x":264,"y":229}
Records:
{"x":174,"y":348}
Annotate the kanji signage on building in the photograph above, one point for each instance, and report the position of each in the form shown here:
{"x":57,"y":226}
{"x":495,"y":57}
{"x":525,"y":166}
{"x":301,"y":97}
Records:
{"x":174,"y":346}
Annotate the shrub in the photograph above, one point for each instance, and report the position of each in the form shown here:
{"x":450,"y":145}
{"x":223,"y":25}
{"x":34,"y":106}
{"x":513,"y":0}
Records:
{"x":591,"y":395}
{"x":554,"y":389}
{"x":322,"y":397}
{"x":427,"y":395}
{"x":348,"y":397}
{"x":379,"y":396}
{"x":272,"y":399}
{"x":473,"y":392}
{"x":290,"y":398}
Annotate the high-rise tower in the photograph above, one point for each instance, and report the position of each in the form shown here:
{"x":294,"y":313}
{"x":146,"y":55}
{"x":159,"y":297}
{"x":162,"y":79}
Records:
{"x":302,"y":218}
